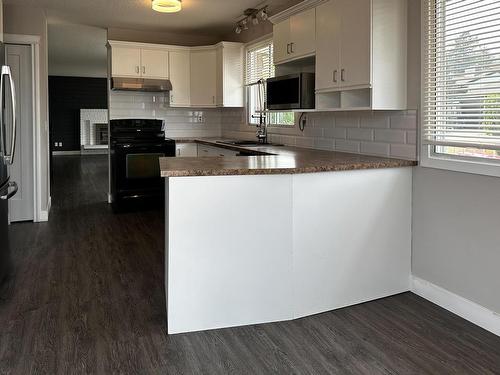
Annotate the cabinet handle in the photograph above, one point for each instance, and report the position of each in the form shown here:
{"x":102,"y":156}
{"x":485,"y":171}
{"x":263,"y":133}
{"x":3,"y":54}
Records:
{"x":143,"y":70}
{"x":288,"y":49}
{"x":137,"y":69}
{"x":342,"y":75}
{"x":291,"y":47}
{"x":335,"y":76}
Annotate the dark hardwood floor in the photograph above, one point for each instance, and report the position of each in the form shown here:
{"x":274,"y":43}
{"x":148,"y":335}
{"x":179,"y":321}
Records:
{"x":87,"y":297}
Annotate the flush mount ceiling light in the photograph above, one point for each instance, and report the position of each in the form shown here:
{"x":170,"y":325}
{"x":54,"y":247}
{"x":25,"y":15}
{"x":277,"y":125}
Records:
{"x":167,"y":6}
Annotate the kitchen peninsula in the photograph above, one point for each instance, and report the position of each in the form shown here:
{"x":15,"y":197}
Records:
{"x":284,"y":234}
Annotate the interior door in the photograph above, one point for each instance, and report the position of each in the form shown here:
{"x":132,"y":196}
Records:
{"x":154,"y":63}
{"x":281,"y":41}
{"x":126,"y":62}
{"x":328,"y":46}
{"x":355,"y":36}
{"x":203,"y":78}
{"x":303,"y":33}
{"x":18,"y":57}
{"x":180,"y":76}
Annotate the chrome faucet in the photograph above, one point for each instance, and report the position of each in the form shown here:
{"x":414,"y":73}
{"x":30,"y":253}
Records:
{"x":262,"y":126}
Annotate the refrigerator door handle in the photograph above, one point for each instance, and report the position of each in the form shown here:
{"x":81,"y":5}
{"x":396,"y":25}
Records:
{"x":12,"y":193}
{"x":7,"y":72}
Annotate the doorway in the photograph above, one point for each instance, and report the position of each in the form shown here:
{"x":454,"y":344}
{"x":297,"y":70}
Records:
{"x":19,"y":58}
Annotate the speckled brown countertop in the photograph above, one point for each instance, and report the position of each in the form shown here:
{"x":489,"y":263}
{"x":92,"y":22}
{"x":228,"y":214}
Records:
{"x":272,"y":160}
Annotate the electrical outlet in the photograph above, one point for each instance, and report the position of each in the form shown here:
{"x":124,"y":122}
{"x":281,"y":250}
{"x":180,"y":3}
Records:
{"x":200,"y":118}
{"x":55,"y":144}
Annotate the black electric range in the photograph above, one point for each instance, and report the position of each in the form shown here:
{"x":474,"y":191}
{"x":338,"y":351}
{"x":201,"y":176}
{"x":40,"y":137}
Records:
{"x":136,"y":146}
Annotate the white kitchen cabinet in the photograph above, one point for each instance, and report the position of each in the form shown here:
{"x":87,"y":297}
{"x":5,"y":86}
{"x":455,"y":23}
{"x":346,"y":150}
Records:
{"x":361,"y":58}
{"x":1,"y":21}
{"x":154,"y":63}
{"x":295,"y":37}
{"x":203,"y":77}
{"x":281,"y":41}
{"x":186,"y":149}
{"x":180,"y":76}
{"x":126,"y":62}
{"x":229,"y":61}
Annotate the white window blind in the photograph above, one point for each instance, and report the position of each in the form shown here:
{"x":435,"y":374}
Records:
{"x":462,"y":78}
{"x":259,"y":63}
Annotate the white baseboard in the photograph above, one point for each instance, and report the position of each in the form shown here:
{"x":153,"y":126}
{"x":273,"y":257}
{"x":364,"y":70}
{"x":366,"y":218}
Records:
{"x":471,"y":311}
{"x":44,"y":214}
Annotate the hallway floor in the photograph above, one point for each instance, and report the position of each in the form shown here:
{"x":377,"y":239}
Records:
{"x":87,"y":296}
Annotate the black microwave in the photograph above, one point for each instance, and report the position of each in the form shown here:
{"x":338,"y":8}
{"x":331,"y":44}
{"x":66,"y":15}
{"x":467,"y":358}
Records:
{"x":293,"y":91}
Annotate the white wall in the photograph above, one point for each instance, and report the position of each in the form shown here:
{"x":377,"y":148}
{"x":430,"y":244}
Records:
{"x":32,"y":21}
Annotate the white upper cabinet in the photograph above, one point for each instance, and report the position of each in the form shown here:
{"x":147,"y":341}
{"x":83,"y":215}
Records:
{"x":208,"y":76}
{"x":180,"y":76}
{"x":361,"y":54}
{"x":355,"y":42}
{"x":281,"y":41}
{"x":295,"y":37}
{"x":230,"y":75}
{"x":328,"y":46}
{"x":203,"y":77}
{"x":126,"y":62}
{"x":1,"y":21}
{"x":303,"y":34}
{"x":154,"y":63}
{"x":130,"y":61}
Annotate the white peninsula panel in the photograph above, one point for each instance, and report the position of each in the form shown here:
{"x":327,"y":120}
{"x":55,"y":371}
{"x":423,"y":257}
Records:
{"x":229,"y":251}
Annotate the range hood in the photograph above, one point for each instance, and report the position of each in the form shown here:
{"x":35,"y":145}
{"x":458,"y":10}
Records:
{"x":140,"y":84}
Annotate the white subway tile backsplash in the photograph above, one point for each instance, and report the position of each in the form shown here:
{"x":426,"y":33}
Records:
{"x":374,"y":121}
{"x":411,"y":137}
{"x":339,"y":133}
{"x":360,"y":134}
{"x":390,"y":136}
{"x":375,"y":148}
{"x":348,"y":146}
{"x":404,"y":122}
{"x":346,"y":121}
{"x":404,"y":151}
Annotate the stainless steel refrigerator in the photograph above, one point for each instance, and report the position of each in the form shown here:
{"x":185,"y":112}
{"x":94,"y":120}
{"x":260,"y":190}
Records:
{"x":8,"y":188}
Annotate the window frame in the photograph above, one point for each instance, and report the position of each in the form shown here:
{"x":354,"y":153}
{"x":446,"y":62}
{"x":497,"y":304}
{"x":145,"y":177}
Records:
{"x":266,"y":39}
{"x":428,"y":157}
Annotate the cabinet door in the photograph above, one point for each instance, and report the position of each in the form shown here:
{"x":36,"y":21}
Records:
{"x":154,"y":64}
{"x":126,"y":62}
{"x":180,"y":76}
{"x":203,"y":78}
{"x":303,"y":33}
{"x":281,"y":41}
{"x":355,"y":36}
{"x":327,"y":46}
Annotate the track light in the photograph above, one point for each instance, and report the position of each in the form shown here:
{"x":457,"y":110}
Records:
{"x":244,"y":24}
{"x":238,"y":29}
{"x":255,"y":20}
{"x":263,"y":14}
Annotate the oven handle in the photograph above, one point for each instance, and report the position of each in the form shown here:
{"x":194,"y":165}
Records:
{"x":138,"y":146}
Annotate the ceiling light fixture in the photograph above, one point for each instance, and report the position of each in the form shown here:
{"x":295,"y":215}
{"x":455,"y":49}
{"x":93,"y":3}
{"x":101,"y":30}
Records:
{"x":167,"y":6}
{"x":251,"y":15}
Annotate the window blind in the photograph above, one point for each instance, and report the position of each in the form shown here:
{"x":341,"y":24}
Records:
{"x":462,"y":74}
{"x":259,"y":63}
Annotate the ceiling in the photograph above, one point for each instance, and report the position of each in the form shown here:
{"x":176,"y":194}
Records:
{"x":213,"y":17}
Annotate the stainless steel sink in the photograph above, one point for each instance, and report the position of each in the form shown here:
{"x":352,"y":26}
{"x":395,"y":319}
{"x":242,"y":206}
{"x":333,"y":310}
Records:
{"x":246,"y":143}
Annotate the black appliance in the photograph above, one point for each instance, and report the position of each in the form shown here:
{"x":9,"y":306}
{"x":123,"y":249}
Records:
{"x":136,"y":146}
{"x":8,"y":188}
{"x":293,"y":91}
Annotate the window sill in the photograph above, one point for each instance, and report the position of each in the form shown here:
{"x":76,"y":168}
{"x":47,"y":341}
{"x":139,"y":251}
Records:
{"x":450,"y":163}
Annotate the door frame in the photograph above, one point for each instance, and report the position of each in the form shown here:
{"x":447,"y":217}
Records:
{"x":39,"y":213}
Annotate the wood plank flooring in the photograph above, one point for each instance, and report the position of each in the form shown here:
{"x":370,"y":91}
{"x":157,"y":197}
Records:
{"x":87,"y":298}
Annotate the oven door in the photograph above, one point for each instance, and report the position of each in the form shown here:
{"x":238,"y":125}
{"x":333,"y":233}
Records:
{"x":137,"y":170}
{"x":284,"y":92}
